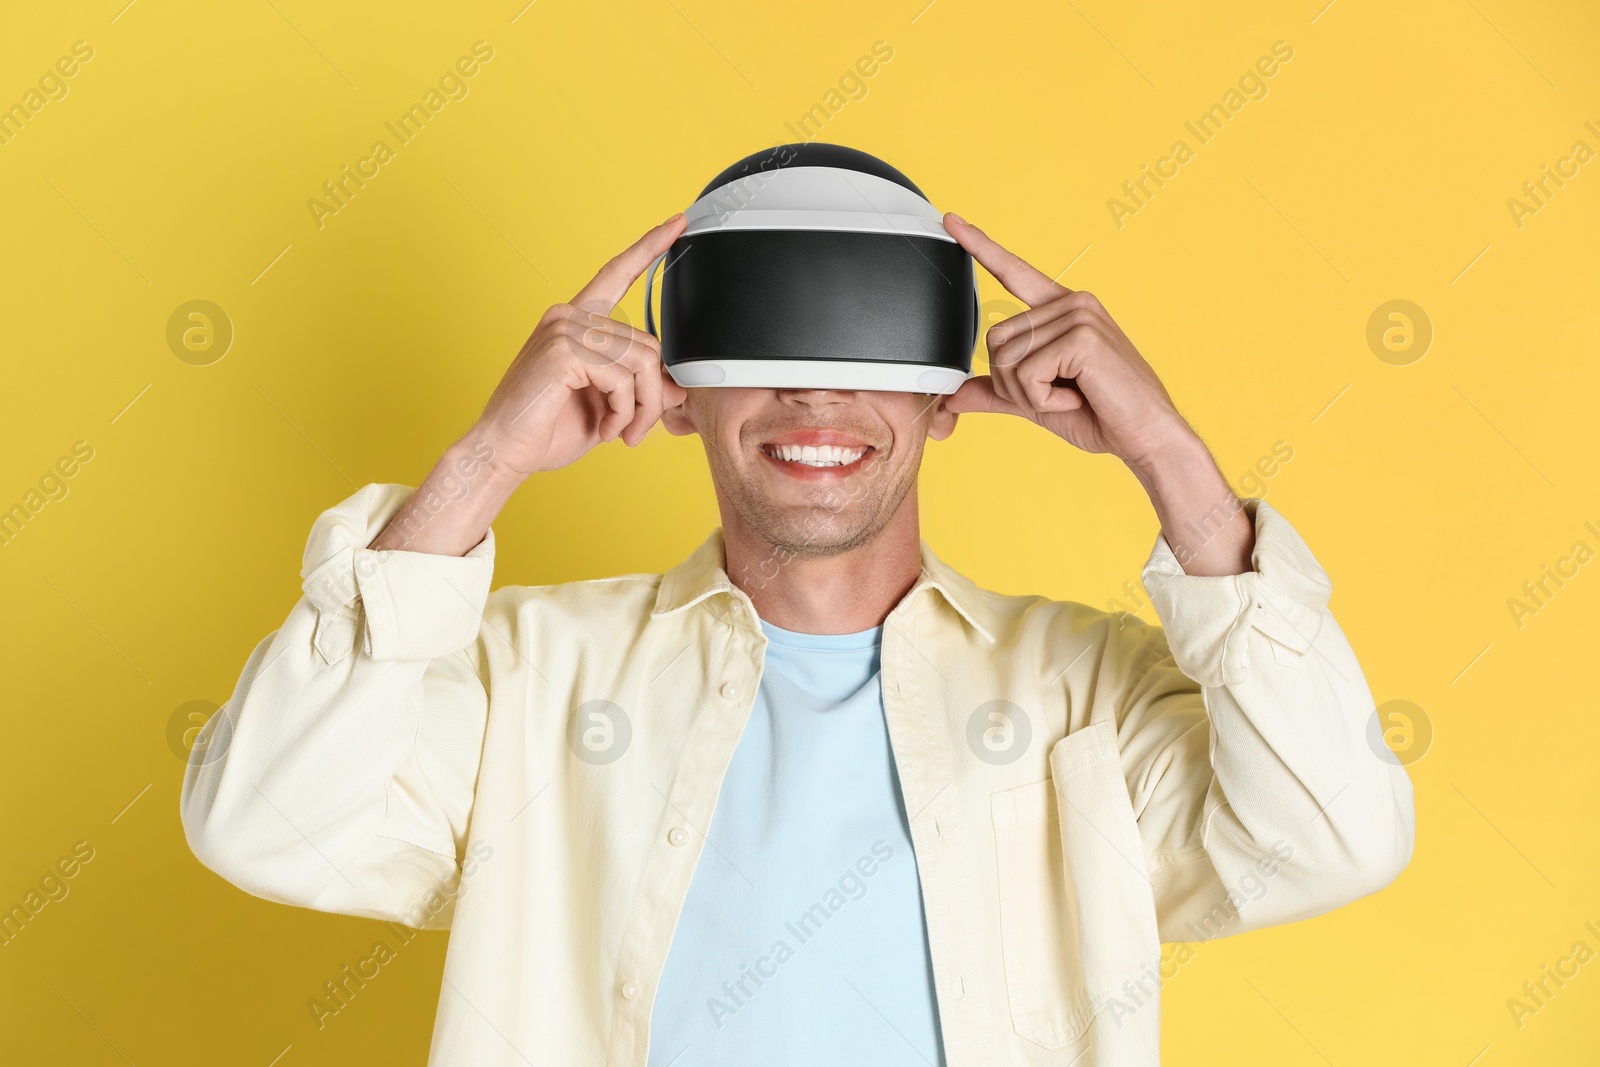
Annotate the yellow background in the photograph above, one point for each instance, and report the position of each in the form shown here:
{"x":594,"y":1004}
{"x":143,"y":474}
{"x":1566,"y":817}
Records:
{"x":1377,"y":168}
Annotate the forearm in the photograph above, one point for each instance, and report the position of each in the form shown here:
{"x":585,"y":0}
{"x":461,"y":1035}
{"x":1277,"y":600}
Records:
{"x":1201,"y":517}
{"x":288,"y":793}
{"x":1295,"y":768}
{"x":1295,"y":774}
{"x":368,"y":692}
{"x":451,"y":511}
{"x":1299,"y":815}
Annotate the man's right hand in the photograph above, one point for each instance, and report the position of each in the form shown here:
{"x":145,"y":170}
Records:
{"x":583,"y":377}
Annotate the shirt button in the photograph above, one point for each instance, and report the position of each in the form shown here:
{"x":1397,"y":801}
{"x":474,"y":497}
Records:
{"x":737,"y":607}
{"x":630,"y":990}
{"x":730,"y":690}
{"x":676,"y":836}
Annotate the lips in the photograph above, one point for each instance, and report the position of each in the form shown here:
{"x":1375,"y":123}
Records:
{"x":816,"y":454}
{"x":816,"y":437}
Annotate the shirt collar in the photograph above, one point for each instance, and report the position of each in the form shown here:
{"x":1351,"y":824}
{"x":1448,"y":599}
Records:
{"x":701,"y":574}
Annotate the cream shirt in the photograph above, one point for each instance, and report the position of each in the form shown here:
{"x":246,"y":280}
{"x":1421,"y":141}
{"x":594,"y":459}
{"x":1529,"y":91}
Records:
{"x":534,"y":768}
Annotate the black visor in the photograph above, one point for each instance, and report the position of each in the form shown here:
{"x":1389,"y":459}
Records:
{"x":820,"y":267}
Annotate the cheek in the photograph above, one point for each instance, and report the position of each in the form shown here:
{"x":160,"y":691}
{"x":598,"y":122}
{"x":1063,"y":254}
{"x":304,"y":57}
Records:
{"x":901,"y":466}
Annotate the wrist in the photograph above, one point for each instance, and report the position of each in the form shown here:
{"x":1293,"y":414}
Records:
{"x":451,"y":511}
{"x":1204,"y":522}
{"x":477,"y":458}
{"x":1180,"y":461}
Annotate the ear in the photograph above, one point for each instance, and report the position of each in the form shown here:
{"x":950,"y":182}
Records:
{"x":941,"y":420}
{"x":676,"y":418}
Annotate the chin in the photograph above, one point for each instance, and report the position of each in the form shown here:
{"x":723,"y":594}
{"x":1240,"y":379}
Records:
{"x":799,"y":533}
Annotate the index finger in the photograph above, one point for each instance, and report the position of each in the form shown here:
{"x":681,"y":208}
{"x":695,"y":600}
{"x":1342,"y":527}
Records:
{"x":1021,"y":279}
{"x":607,"y":288}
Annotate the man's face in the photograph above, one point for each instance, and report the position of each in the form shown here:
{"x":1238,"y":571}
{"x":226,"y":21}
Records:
{"x":813,"y":472}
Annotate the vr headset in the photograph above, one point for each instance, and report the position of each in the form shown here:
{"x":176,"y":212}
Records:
{"x":815,"y":266}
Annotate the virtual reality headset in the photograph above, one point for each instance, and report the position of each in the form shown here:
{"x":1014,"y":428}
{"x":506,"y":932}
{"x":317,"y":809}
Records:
{"x":816,"y":266}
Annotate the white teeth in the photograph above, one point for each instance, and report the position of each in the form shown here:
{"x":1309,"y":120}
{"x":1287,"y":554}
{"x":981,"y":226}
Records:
{"x":816,"y":455}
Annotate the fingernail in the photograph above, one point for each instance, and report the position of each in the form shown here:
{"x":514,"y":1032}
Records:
{"x":674,"y":218}
{"x":958,"y":218}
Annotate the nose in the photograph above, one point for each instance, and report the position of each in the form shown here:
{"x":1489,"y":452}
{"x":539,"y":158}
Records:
{"x":816,"y":397}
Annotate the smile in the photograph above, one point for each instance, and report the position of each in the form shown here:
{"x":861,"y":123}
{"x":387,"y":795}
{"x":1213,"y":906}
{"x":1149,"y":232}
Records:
{"x":817,"y":462}
{"x":815,"y":455}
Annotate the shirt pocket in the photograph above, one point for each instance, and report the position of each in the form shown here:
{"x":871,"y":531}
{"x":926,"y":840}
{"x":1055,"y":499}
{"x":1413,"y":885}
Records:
{"x":1105,"y":863}
{"x":1039,"y":933}
{"x":1077,"y":912}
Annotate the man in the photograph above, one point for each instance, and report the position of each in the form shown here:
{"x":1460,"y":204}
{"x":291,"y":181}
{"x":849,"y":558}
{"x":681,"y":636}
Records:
{"x":812,"y":796}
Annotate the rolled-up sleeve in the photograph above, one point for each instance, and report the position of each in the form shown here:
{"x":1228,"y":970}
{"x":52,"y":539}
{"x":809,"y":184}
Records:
{"x":340,"y":774}
{"x":1245,"y":736}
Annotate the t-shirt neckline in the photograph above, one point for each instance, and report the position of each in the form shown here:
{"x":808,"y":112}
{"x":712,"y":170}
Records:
{"x":860,"y":640}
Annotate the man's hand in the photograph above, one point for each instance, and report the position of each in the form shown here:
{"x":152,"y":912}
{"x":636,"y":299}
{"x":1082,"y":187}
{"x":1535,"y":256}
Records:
{"x":1066,"y":365}
{"x":582,"y":378}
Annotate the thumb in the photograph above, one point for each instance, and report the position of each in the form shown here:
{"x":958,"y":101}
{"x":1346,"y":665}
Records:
{"x":977,"y":394}
{"x":672,"y":394}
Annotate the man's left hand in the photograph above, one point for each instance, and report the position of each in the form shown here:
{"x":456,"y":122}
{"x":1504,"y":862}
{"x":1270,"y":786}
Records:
{"x":1066,"y":365}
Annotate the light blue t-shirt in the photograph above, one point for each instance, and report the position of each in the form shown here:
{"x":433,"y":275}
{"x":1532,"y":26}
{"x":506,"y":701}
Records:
{"x":802,"y":939}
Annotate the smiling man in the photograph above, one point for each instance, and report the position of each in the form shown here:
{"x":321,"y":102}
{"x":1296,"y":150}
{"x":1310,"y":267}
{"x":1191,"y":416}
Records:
{"x":811,"y":796}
